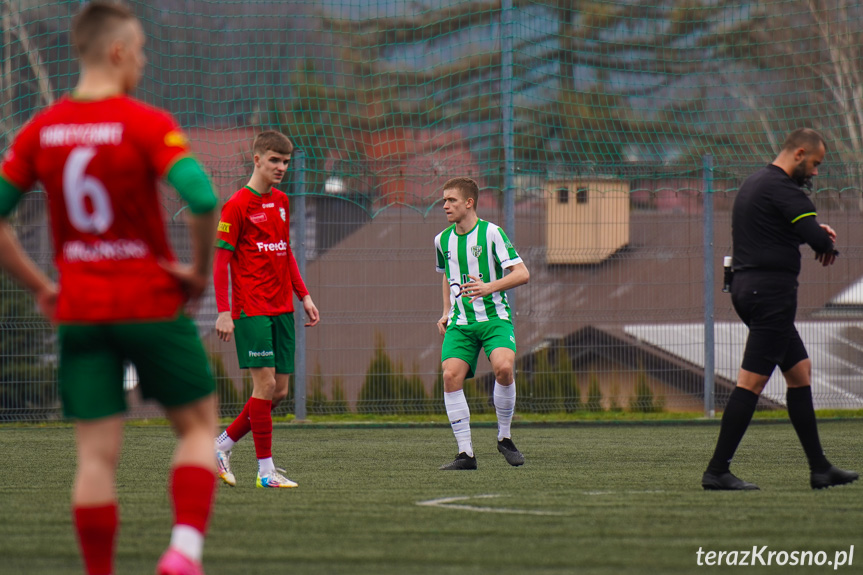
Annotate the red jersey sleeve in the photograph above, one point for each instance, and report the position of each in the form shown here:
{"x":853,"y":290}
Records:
{"x":220,"y":280}
{"x":297,"y":282}
{"x":164,"y":141}
{"x":230,"y":225}
{"x":19,"y":164}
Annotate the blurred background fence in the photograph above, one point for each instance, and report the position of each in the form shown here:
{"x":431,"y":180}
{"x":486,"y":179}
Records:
{"x":608,"y":138}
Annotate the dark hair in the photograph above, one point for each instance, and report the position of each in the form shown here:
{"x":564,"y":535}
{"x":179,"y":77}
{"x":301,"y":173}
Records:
{"x":93,"y":24}
{"x":466,"y":186}
{"x":804,"y":138}
{"x":273,"y":141}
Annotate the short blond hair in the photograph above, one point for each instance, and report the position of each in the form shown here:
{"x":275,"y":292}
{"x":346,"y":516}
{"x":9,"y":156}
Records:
{"x":467,"y":187}
{"x":93,"y":25}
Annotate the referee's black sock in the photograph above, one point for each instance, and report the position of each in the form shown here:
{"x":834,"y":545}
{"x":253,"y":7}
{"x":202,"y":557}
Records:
{"x":802,"y":415}
{"x":735,"y":420}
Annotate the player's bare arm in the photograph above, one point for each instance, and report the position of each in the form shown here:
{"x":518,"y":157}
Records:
{"x":476,"y":289}
{"x":224,"y":326}
{"x":441,"y":323}
{"x":15,"y":261}
{"x":311,"y":311}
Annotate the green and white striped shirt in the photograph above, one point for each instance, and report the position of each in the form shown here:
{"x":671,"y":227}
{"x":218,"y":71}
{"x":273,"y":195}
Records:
{"x":483,"y":252}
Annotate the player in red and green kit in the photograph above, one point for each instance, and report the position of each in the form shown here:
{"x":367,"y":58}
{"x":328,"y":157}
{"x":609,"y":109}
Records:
{"x":253,"y":239}
{"x":98,"y":154}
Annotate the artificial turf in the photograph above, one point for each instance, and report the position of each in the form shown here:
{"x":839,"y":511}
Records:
{"x":591,"y":499}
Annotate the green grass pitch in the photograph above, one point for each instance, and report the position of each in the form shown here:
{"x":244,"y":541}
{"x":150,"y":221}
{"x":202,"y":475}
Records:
{"x":615,"y":499}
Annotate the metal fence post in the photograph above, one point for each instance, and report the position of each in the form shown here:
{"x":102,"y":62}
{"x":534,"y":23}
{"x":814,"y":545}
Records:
{"x":506,"y":86}
{"x":299,"y":249}
{"x":507,"y":127}
{"x":709,"y":334}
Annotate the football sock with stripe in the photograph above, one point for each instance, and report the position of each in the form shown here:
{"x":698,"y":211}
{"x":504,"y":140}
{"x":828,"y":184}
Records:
{"x":224,"y":441}
{"x":192,"y":490}
{"x":735,"y":420}
{"x":239,"y":427}
{"x":459,"y":418}
{"x":262,"y":426}
{"x":802,"y":415}
{"x":504,"y":405}
{"x":97,"y":531}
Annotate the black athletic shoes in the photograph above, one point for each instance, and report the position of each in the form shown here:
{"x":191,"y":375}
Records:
{"x":831,"y":477}
{"x":725,"y":482}
{"x":510,"y":452}
{"x":461,"y":461}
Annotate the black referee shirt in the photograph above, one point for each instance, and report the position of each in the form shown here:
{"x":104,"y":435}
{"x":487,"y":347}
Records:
{"x":772,"y":216}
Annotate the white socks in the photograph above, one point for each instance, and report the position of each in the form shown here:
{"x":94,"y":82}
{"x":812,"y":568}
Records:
{"x":266,"y":466}
{"x":459,"y":417}
{"x":504,"y":405}
{"x":188,"y":541}
{"x":225,"y":443}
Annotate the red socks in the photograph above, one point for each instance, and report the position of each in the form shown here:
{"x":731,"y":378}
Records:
{"x":192,"y":490}
{"x":240,"y":426}
{"x":97,"y":531}
{"x":262,"y":426}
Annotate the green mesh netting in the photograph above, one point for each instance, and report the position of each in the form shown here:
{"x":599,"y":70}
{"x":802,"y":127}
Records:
{"x":377,"y":90}
{"x":389,"y":98}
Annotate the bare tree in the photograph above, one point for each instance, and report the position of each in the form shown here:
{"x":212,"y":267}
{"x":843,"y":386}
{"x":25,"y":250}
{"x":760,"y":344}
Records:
{"x":22,"y":63}
{"x":800,"y":66}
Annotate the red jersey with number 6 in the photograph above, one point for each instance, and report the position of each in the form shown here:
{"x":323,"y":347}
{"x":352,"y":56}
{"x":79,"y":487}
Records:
{"x":256,"y":228}
{"x":99,"y":162}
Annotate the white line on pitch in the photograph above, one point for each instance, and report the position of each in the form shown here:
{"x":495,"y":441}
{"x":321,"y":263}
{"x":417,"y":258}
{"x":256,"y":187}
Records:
{"x":449,"y":503}
{"x":622,"y":492}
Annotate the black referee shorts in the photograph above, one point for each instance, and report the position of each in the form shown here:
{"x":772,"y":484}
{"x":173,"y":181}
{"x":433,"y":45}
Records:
{"x":767,"y":304}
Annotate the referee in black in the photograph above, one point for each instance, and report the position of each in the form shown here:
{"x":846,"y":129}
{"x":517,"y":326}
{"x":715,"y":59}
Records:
{"x":772,"y":216}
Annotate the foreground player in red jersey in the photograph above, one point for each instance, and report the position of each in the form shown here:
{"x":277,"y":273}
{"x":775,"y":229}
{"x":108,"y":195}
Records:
{"x":254,"y":239}
{"x":98,"y":154}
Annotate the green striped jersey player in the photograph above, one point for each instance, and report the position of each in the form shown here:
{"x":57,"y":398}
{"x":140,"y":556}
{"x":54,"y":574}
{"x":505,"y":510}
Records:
{"x":482,"y":253}
{"x":473,"y":254}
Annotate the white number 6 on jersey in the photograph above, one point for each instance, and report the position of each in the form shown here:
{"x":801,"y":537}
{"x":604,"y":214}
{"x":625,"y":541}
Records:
{"x":77,"y":186}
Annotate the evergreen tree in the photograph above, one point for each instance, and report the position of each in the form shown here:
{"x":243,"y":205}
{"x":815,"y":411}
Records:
{"x":438,"y":405}
{"x":316,"y":401}
{"x":547,"y":393}
{"x":380,"y":391}
{"x":28,"y":378}
{"x":230,"y":400}
{"x":594,"y":394}
{"x":414,"y":396}
{"x":644,"y":400}
{"x":568,"y":381}
{"x":339,"y":403}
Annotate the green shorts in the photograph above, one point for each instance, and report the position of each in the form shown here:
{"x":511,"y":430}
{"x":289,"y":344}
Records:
{"x":168,"y":355}
{"x":464,"y":341}
{"x":266,"y":341}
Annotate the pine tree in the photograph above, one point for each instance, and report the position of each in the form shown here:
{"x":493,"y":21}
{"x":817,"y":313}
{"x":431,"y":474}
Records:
{"x":339,"y":403}
{"x":28,"y":379}
{"x":594,"y":394}
{"x":568,"y":381}
{"x":230,"y":400}
{"x":379,"y":393}
{"x":414,"y":395}
{"x":316,"y":401}
{"x":547,"y":395}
